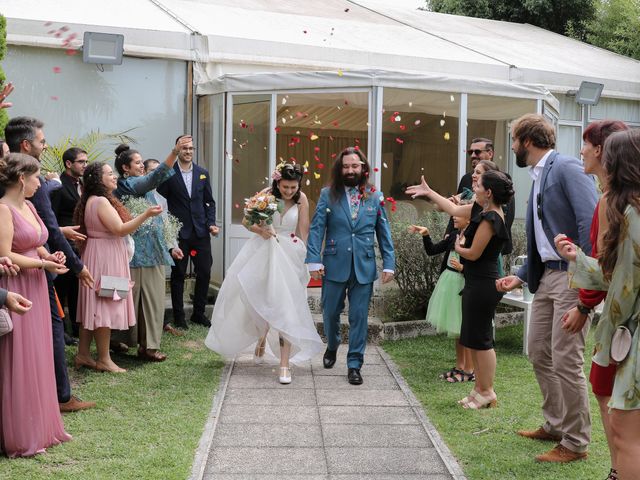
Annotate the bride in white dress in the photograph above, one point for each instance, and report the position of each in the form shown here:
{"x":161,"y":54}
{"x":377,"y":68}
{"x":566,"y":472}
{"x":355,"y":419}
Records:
{"x":262,"y":304}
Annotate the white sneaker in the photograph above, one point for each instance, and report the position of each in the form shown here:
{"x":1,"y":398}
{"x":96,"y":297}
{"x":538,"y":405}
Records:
{"x":285,"y":375}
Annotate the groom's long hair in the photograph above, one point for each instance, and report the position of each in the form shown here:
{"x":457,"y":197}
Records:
{"x":337,"y":182}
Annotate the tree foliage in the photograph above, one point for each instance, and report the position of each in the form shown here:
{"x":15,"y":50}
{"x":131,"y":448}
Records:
{"x":610,"y":24}
{"x":4,"y":118}
{"x":616,"y":27}
{"x":560,"y":16}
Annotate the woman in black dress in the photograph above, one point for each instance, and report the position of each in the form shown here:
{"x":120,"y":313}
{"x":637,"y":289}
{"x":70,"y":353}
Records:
{"x":479,"y":247}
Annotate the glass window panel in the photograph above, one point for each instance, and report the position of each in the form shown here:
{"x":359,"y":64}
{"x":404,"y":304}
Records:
{"x":250,"y":151}
{"x":312,"y":128}
{"x":613,"y":108}
{"x":569,"y":140}
{"x":569,"y":109}
{"x":419,"y":137}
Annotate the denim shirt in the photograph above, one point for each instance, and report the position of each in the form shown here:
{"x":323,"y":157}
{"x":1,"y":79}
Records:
{"x":151,"y":250}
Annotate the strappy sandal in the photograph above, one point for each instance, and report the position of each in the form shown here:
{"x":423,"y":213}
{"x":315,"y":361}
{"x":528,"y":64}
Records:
{"x":462,"y":376}
{"x":449,"y":373}
{"x":478,"y":401}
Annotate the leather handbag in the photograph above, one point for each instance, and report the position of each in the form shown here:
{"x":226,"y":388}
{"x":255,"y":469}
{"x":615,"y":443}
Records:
{"x":6,"y":325}
{"x":620,"y":344}
{"x":116,"y":288}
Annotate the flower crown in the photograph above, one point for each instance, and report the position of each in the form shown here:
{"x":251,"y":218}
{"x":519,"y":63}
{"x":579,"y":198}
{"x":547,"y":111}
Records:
{"x":277,"y":173}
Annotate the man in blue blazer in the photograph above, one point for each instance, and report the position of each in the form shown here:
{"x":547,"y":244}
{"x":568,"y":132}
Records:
{"x":349,"y":213}
{"x":190,"y":199}
{"x":562,"y":200}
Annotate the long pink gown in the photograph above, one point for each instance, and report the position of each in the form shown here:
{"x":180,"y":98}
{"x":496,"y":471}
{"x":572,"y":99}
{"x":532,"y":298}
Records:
{"x":30,"y":418}
{"x":104,"y":254}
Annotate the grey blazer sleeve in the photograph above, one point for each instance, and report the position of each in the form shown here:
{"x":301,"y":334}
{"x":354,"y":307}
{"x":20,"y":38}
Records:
{"x":3,"y":296}
{"x":581,"y":191}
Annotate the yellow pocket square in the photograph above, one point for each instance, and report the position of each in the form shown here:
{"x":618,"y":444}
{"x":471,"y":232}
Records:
{"x":203,"y":177}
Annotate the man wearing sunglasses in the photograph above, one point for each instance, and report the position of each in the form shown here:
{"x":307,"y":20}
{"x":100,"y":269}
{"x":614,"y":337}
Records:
{"x":562,"y":200}
{"x":480,"y":149}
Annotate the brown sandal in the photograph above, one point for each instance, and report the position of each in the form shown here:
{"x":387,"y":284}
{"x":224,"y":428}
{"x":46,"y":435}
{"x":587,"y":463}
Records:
{"x":156,"y":356}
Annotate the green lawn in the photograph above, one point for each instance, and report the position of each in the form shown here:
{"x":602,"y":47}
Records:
{"x":147,"y":424}
{"x":484,"y":442}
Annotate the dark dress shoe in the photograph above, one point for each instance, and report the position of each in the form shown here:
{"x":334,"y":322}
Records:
{"x":329,"y":358}
{"x":69,"y":340}
{"x":181,"y":324}
{"x":354,"y":376}
{"x":201,"y":320}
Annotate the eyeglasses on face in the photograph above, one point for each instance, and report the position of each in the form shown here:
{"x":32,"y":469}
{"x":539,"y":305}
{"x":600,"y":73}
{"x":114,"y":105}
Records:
{"x":81,"y":162}
{"x":476,"y":152}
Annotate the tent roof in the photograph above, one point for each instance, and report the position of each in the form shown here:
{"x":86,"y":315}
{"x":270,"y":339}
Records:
{"x":243,"y":36}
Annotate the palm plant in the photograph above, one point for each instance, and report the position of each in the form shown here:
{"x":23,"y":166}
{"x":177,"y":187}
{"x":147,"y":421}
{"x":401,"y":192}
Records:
{"x":94,"y":143}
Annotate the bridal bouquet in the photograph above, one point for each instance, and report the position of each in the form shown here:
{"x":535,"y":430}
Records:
{"x":170,"y":224}
{"x":260,"y":208}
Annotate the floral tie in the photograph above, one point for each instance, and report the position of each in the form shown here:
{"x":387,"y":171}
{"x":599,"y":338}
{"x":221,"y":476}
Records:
{"x":354,"y":202}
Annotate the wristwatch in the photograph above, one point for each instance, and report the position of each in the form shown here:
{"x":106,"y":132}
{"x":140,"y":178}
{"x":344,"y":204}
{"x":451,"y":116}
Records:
{"x":583,"y":309}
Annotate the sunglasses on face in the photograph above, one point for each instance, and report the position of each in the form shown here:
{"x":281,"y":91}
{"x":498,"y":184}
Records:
{"x":476,"y":152}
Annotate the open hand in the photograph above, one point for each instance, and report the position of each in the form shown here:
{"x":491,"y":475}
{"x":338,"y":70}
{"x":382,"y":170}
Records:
{"x":153,"y":211}
{"x":6,"y":91}
{"x":55,"y":267}
{"x":71,"y":233}
{"x":424,"y":231}
{"x":214,"y":230}
{"x":177,"y":253}
{"x":387,"y":277}
{"x":17,"y":303}
{"x":455,"y":263}
{"x":421,"y":190}
{"x":56,"y":257}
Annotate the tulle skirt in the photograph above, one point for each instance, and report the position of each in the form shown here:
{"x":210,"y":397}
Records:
{"x":265,"y":289}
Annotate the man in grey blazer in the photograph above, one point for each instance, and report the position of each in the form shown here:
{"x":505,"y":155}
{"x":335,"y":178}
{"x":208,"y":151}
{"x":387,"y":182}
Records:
{"x":562,"y":200}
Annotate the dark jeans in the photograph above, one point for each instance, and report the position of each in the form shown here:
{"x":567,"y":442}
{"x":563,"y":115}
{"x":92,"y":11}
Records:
{"x":59,"y":361}
{"x":67,"y":286}
{"x":202,"y":262}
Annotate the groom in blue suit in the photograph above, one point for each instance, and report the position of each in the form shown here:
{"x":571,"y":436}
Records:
{"x":348,"y":215}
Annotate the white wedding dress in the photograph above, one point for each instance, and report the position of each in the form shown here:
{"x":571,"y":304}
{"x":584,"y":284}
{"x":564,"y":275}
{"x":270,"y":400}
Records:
{"x":266,"y":288}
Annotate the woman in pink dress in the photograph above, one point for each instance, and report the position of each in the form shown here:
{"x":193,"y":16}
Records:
{"x":105,"y":221}
{"x":29,"y":414}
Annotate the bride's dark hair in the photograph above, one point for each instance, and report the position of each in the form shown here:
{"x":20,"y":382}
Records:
{"x":289,"y":171}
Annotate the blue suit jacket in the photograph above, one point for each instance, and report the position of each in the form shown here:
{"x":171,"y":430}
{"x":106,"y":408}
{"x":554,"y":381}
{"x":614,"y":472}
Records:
{"x":42,"y":201}
{"x":350,"y":243}
{"x":197,"y":213}
{"x":568,"y":199}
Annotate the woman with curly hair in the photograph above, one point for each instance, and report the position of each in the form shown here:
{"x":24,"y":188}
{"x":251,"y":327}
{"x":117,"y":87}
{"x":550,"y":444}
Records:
{"x":105,"y":221}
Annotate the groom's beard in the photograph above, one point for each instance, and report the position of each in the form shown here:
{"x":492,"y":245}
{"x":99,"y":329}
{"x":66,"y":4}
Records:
{"x":351,"y":180}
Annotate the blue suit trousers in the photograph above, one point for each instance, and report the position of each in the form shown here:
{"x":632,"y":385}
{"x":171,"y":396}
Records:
{"x":333,"y":295}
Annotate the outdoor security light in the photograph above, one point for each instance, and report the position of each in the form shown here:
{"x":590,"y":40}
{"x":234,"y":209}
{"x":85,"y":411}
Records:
{"x":103,"y":48}
{"x":589,"y":93}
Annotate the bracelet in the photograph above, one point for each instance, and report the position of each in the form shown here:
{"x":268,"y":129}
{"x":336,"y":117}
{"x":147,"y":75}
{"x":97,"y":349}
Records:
{"x":41,"y":267}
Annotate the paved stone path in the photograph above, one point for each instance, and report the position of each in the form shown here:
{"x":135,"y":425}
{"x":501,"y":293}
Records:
{"x":319,"y":427}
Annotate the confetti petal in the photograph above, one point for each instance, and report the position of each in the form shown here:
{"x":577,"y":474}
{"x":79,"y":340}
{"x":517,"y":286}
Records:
{"x":54,"y":98}
{"x":316,"y":149}
{"x":417,"y":122}
{"x":308,"y":182}
{"x":313,"y":137}
{"x":452,"y":98}
{"x":447,"y":136}
{"x":316,"y":175}
{"x":57,"y":69}
{"x":384,"y":164}
{"x":193,"y":253}
{"x":376,"y":169}
{"x":399,"y":140}
{"x":442,"y":122}
{"x":320,"y":166}
{"x":340,"y":71}
{"x":402,"y":127}
{"x":237,"y":205}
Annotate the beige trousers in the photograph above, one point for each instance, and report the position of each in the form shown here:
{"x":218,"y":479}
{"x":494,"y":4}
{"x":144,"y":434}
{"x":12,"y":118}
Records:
{"x":149,"y":302}
{"x":558,"y":358}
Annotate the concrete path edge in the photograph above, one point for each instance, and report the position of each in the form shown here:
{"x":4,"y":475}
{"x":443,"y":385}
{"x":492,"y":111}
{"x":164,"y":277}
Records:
{"x":447,"y":457}
{"x":206,"y":440}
